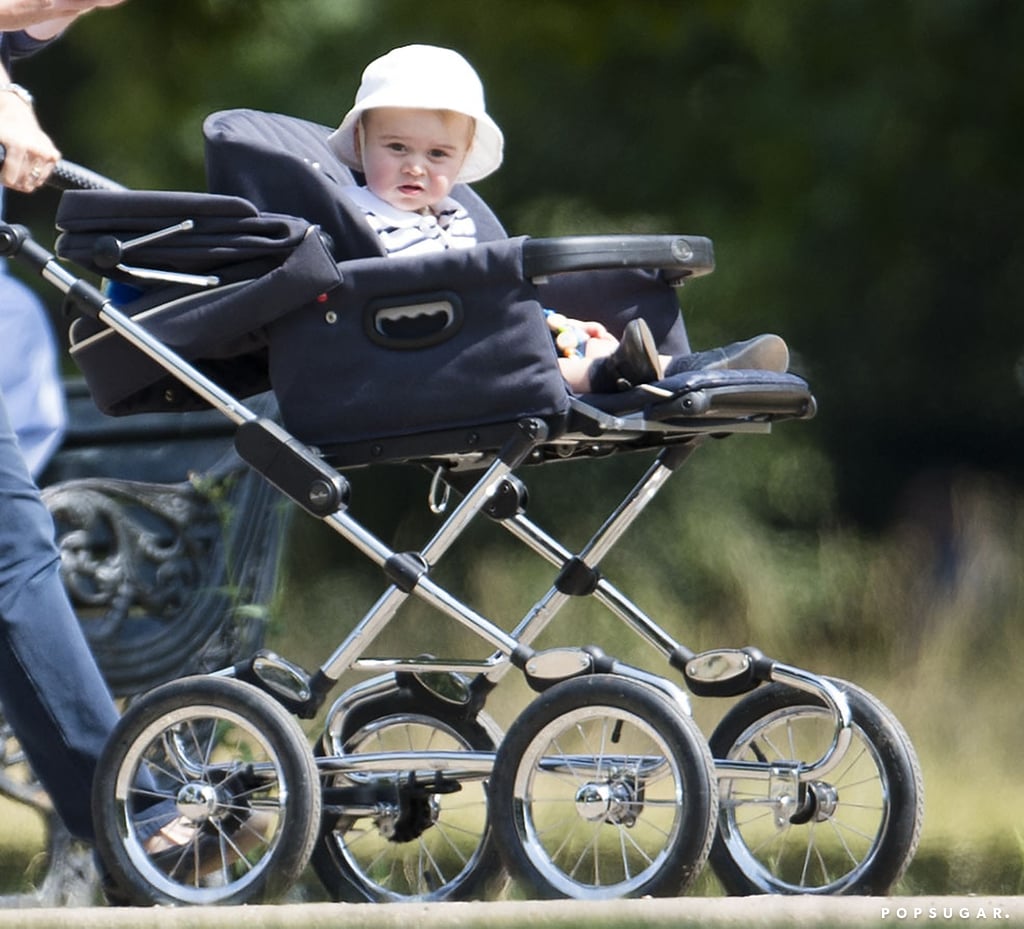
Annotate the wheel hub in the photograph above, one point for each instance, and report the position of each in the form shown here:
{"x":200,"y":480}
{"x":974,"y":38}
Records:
{"x":818,"y":802}
{"x":611,"y":801}
{"x":409,"y":819}
{"x":198,"y":802}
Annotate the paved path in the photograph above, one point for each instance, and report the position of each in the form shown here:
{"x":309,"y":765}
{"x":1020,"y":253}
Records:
{"x":682,"y":913}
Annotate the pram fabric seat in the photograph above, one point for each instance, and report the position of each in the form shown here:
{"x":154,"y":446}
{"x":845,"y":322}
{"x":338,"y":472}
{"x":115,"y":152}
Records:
{"x":264,"y":265}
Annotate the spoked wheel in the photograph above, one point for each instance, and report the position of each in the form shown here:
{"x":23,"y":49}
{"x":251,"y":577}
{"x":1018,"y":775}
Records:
{"x":414,"y":838}
{"x":853,"y":831}
{"x":227,"y":771}
{"x":603,"y":788}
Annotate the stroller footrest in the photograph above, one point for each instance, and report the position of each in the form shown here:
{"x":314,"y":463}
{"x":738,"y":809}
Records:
{"x":739,"y":401}
{"x":715,"y":394}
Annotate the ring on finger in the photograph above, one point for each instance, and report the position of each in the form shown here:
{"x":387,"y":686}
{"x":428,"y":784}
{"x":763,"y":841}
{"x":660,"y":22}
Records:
{"x":36,"y":173}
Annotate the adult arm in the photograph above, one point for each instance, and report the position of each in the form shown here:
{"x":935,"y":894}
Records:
{"x":27,"y":25}
{"x":30,"y":153}
{"x":44,"y":19}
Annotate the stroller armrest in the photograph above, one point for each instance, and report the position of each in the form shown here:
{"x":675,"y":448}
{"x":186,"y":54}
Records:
{"x":679,"y":256}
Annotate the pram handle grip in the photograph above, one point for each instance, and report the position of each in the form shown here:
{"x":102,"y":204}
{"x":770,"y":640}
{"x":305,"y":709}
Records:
{"x":679,"y":256}
{"x":70,"y":176}
{"x":67,"y":175}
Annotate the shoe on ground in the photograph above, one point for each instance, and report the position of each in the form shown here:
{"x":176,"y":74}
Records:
{"x":112,"y":893}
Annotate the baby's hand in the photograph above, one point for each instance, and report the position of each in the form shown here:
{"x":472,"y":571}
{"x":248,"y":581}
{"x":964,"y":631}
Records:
{"x":556,"y":321}
{"x":594,"y":330}
{"x":580,"y":337}
{"x":570,"y":338}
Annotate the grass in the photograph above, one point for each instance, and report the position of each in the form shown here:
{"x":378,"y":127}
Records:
{"x":22,"y":848}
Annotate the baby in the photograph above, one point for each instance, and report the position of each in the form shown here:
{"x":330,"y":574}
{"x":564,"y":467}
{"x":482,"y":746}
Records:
{"x":419,"y":126}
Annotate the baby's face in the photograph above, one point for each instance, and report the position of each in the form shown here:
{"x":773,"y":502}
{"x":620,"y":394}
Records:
{"x":411,"y":157}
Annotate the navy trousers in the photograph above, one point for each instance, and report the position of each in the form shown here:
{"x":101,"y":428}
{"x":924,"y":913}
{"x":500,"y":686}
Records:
{"x":51,"y":690}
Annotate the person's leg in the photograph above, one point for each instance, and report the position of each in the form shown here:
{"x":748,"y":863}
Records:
{"x":29,"y":373}
{"x":51,"y":690}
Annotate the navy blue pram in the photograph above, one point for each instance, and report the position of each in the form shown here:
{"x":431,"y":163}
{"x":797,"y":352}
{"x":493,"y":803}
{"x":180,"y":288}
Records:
{"x":371,"y":359}
{"x":604,"y":786}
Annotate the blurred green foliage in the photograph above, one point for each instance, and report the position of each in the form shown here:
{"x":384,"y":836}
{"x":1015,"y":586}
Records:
{"x":855,"y":162}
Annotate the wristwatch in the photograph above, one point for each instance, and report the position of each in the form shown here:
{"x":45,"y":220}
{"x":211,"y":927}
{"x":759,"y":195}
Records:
{"x":18,"y":91}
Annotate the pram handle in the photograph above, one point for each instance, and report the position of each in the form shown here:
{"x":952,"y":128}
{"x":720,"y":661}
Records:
{"x":67,"y":175}
{"x":679,"y":256}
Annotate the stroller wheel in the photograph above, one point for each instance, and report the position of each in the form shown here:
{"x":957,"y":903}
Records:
{"x":227,"y":776}
{"x":853,"y":831}
{"x":413,"y":842}
{"x":604,"y":789}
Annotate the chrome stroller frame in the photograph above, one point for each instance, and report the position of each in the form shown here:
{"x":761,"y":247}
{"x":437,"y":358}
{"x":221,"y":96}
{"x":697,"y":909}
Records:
{"x":665,"y":772}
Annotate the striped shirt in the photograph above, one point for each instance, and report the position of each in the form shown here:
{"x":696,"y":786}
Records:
{"x":403,"y":233}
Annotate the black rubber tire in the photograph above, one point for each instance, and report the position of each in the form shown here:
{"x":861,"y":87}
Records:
{"x":859,"y":840}
{"x":402,"y":715}
{"x":551,"y":809}
{"x":234,"y":742}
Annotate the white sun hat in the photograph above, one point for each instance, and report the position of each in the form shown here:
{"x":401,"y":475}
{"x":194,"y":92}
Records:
{"x":430,"y":78}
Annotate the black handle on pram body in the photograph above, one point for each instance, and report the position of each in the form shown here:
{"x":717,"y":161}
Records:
{"x":67,"y":175}
{"x":678,"y":256}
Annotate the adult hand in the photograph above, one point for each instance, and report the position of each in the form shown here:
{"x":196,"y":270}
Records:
{"x":31,"y":154}
{"x":56,"y":14}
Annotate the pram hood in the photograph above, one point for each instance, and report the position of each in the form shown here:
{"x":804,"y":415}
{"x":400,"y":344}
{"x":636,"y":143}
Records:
{"x":225,"y":231}
{"x":265,"y":265}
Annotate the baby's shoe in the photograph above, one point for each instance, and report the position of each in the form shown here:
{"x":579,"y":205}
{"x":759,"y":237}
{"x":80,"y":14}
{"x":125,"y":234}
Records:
{"x":635,"y":361}
{"x":762,"y":353}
